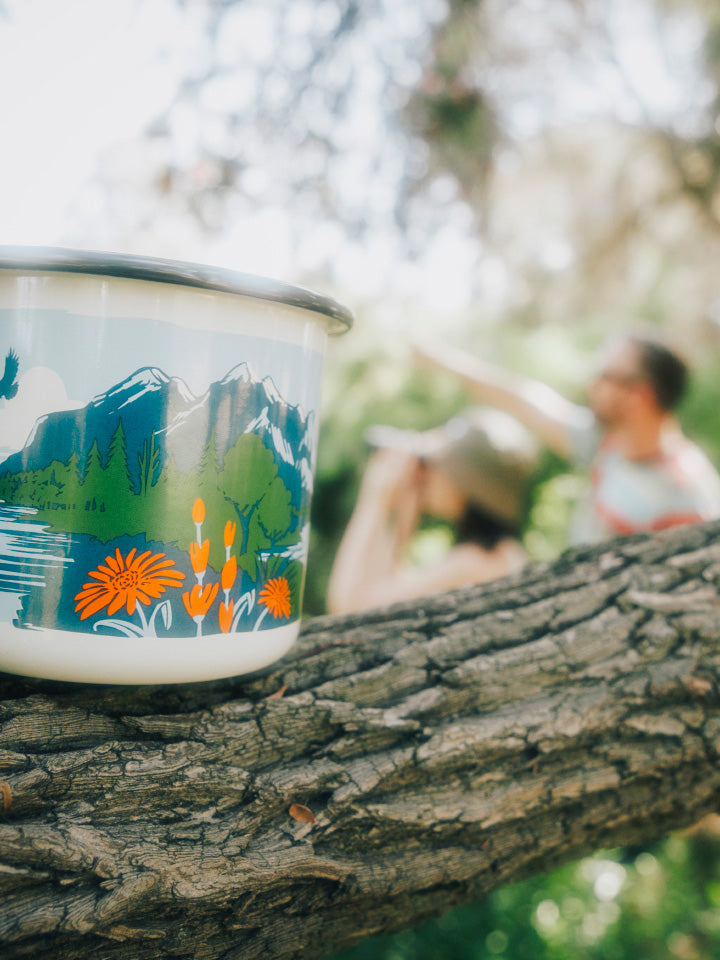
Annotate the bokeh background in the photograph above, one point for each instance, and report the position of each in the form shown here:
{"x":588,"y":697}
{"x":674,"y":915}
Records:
{"x":519,"y":179}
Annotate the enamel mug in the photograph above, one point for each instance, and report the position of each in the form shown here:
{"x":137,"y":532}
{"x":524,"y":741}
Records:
{"x":158,"y":436}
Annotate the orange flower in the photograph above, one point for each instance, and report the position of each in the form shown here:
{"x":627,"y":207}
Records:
{"x":229,"y":572}
{"x":225,"y":615}
{"x":198,"y":511}
{"x":230,"y":529}
{"x":276,"y":597}
{"x":199,"y":556}
{"x":199,"y":600}
{"x":125,"y":580}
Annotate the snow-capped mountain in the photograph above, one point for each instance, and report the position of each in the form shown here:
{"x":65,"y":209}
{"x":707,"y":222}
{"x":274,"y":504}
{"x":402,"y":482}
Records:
{"x":161,"y":411}
{"x":146,"y":398}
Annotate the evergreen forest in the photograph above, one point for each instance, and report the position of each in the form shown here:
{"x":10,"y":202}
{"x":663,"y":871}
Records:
{"x":100,"y":498}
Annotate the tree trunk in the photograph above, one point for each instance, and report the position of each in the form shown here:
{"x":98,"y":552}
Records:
{"x":394,"y":765}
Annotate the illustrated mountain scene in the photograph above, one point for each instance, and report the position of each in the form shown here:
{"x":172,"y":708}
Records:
{"x":163,"y":512}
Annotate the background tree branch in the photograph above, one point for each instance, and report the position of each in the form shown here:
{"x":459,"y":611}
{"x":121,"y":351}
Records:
{"x":396,"y":764}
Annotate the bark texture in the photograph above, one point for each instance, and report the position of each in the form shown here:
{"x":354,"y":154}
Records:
{"x":396,"y":764}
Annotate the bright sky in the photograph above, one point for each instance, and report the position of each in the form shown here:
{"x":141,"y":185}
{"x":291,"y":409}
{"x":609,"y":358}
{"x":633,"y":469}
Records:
{"x":79,"y":76}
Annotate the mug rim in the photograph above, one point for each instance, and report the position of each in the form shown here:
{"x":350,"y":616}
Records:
{"x":182,"y":273}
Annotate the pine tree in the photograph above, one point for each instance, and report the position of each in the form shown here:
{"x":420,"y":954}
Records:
{"x":115,"y":495}
{"x":72,"y":491}
{"x":149,"y":466}
{"x":92,"y":479}
{"x":208,"y":471}
{"x":52,"y":481}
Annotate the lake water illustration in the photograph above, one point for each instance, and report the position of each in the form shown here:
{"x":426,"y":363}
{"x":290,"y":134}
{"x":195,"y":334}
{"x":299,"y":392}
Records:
{"x":31,"y":557}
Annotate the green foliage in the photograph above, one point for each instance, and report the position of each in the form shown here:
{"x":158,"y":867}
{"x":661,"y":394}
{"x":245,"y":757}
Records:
{"x":556,"y":493}
{"x":699,"y":411}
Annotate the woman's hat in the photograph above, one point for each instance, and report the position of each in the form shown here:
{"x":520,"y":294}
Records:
{"x":490,"y":455}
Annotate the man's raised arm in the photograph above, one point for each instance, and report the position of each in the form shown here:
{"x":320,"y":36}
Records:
{"x":542,"y":409}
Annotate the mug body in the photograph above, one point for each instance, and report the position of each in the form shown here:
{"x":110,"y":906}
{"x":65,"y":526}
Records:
{"x":158,"y":435}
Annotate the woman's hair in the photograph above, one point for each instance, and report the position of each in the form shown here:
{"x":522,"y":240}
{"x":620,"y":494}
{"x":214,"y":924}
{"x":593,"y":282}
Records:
{"x":482,"y":528}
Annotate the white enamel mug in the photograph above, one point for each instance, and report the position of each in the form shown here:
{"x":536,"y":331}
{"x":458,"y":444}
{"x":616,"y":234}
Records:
{"x":158,"y":435}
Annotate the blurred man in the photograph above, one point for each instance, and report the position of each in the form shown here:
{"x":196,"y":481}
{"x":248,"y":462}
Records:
{"x":645,"y":475}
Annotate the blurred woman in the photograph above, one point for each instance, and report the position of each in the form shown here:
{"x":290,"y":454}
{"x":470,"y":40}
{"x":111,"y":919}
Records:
{"x":474,"y":472}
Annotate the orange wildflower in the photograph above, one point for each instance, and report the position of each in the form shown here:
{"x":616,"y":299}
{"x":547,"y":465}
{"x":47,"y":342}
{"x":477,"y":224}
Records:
{"x":230,"y":529}
{"x":198,"y":511}
{"x":229,"y":573}
{"x":225,"y":615}
{"x":276,"y":597}
{"x":125,"y":580}
{"x":199,"y":600}
{"x":199,"y":556}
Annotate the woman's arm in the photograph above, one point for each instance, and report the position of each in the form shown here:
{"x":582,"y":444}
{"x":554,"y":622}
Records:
{"x":385,"y":516}
{"x":460,"y":567}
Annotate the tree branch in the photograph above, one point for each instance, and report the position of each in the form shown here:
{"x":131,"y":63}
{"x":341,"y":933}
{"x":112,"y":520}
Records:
{"x":440,"y":749}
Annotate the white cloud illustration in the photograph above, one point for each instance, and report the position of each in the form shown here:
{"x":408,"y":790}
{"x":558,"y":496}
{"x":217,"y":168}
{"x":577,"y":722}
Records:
{"x":40,"y":391}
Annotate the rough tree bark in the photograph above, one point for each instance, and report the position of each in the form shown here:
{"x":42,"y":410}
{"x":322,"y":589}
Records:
{"x":440,"y":749}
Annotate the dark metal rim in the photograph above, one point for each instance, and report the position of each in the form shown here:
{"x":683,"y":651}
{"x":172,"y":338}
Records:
{"x":59,"y":260}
